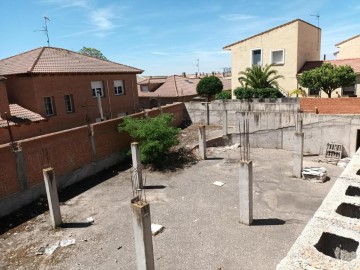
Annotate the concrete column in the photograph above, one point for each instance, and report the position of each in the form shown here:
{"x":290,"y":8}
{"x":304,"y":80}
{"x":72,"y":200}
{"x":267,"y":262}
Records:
{"x":225,"y":124}
{"x":246,"y":192}
{"x":20,"y":169}
{"x":142,"y":234}
{"x":52,"y":196}
{"x":202,"y":142}
{"x":136,"y":163}
{"x":206,"y":113}
{"x":298,"y":154}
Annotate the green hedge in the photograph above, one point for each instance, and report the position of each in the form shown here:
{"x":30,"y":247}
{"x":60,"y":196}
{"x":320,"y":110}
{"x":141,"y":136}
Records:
{"x":225,"y":94}
{"x":249,"y":93}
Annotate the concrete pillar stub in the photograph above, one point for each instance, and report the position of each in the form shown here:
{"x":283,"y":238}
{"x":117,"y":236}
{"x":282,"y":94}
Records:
{"x":52,"y":197}
{"x":298,"y":154}
{"x":206,"y":113}
{"x":225,"y":124}
{"x":142,"y":234}
{"x":136,"y":163}
{"x":246,"y":192}
{"x":202,"y":142}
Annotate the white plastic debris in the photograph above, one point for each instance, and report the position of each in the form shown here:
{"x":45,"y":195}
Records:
{"x":90,"y":220}
{"x":218,"y":183}
{"x":156,"y":228}
{"x":51,"y":249}
{"x":67,"y":242}
{"x":316,"y":174}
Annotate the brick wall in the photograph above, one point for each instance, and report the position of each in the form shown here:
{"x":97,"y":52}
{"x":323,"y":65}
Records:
{"x":67,"y":151}
{"x":331,"y":105}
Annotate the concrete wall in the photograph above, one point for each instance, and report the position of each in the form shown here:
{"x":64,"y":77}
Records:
{"x":272,"y":125}
{"x":349,"y":49}
{"x":73,"y":154}
{"x":331,"y":238}
{"x":299,"y":41}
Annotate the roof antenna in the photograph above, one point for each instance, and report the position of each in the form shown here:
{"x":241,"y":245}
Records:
{"x":198,"y":65}
{"x":45,"y":30}
{"x":317,"y":15}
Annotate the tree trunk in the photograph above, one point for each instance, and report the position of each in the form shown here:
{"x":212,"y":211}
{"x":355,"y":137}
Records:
{"x":329,"y":94}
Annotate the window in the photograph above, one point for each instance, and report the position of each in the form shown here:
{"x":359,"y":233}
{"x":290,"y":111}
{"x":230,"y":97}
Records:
{"x":349,"y":90}
{"x":144,"y":88}
{"x":277,"y":57}
{"x":119,"y":87}
{"x":69,"y":105}
{"x":49,"y":106}
{"x":97,"y":88}
{"x":256,"y":57}
{"x":314,"y":92}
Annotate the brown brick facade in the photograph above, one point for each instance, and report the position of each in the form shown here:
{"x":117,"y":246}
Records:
{"x":67,"y":151}
{"x":330,"y":105}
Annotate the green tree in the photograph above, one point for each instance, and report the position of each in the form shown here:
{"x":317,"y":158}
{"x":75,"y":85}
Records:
{"x":209,"y":86}
{"x":328,"y":77}
{"x":225,"y":94}
{"x":155,"y":135}
{"x":259,"y":77}
{"x":92,"y":52}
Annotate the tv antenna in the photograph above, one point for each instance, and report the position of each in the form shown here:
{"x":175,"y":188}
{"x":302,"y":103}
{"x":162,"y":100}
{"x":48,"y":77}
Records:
{"x":317,"y":15}
{"x":198,"y":65}
{"x":45,"y":30}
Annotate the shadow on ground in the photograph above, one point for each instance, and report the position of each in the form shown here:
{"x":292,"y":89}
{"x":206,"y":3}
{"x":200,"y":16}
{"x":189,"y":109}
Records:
{"x":40,"y":205}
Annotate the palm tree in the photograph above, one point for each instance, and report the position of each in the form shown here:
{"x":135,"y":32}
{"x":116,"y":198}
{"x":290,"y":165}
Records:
{"x":260,"y":77}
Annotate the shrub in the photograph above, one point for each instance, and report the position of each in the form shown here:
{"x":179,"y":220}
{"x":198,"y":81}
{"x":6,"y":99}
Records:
{"x":155,"y":135}
{"x":261,"y":93}
{"x":225,"y":94}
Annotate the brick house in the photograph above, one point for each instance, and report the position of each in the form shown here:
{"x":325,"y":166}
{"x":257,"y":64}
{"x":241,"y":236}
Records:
{"x":67,"y":88}
{"x":156,"y":92}
{"x":287,"y":47}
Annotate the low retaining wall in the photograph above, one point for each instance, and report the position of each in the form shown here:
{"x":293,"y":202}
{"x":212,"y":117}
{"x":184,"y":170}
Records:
{"x":331,"y":239}
{"x":272,"y":125}
{"x":74,"y":154}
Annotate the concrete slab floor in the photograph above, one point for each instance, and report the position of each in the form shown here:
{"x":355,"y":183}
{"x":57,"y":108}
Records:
{"x":201,"y":220}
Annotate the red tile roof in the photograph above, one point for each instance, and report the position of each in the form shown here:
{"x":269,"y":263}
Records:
{"x":179,"y":86}
{"x":20,"y":115}
{"x":353,"y":62}
{"x":336,"y":45}
{"x":56,"y":60}
{"x":267,"y":31}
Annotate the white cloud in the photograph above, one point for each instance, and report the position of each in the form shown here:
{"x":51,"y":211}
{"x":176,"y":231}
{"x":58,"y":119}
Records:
{"x":237,"y":17}
{"x":69,"y":3}
{"x":101,"y":18}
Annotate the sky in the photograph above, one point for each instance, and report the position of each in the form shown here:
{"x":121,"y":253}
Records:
{"x":165,"y":37}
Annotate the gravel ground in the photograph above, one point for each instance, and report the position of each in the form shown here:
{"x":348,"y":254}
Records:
{"x":201,"y":220}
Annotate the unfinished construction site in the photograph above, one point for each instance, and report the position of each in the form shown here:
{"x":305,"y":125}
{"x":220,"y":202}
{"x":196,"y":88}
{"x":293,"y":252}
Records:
{"x":272,"y":187}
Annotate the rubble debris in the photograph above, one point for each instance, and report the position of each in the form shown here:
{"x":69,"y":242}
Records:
{"x":67,"y":242}
{"x":314,"y":174}
{"x":49,"y":250}
{"x":218,"y":183}
{"x":344,"y":162}
{"x":156,"y":228}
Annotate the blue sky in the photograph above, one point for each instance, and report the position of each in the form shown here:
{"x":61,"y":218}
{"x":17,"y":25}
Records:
{"x":165,"y":37}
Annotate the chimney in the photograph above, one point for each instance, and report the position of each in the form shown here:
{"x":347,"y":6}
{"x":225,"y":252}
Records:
{"x":324,"y":56}
{"x":184,"y":74}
